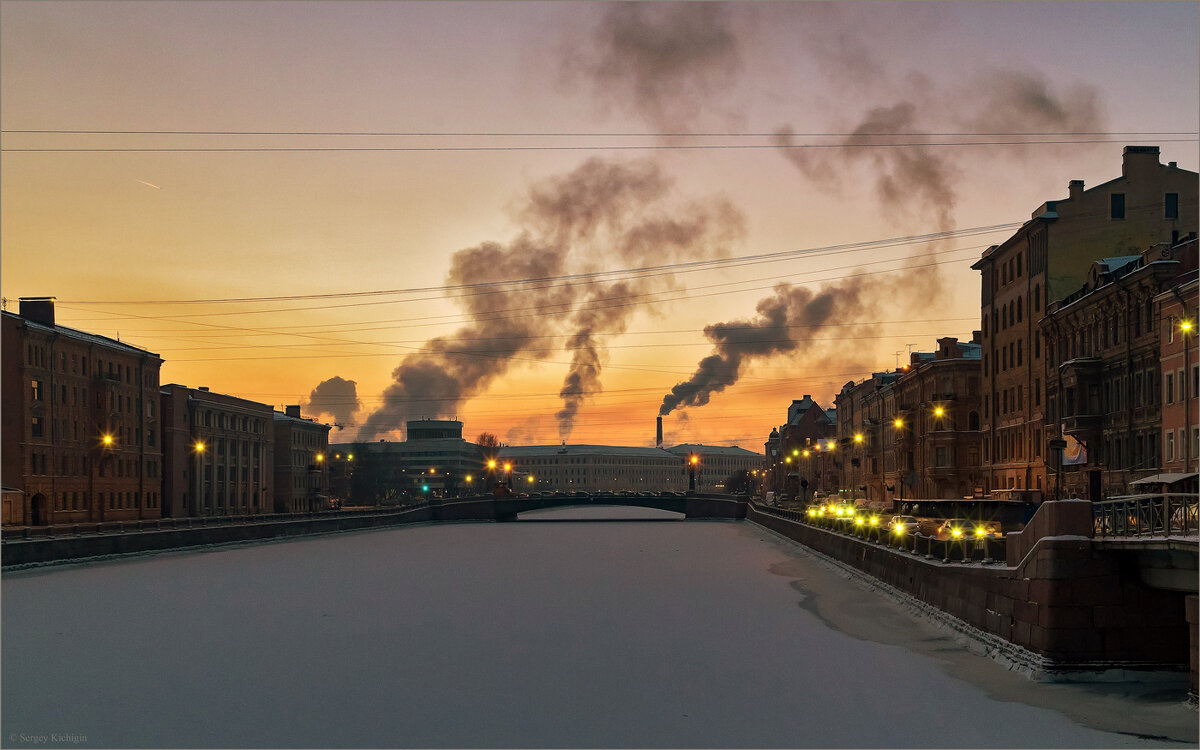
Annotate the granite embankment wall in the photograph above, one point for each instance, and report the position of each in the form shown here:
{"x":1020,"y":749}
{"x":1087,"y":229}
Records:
{"x":1075,"y":606}
{"x":155,"y":536}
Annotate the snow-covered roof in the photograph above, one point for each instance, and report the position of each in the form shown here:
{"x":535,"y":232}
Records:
{"x":534,"y":451}
{"x":90,"y":338}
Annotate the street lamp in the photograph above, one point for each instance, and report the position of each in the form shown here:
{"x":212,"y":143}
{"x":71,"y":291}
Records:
{"x":692,"y":461}
{"x":198,"y":448}
{"x":1185,"y":329}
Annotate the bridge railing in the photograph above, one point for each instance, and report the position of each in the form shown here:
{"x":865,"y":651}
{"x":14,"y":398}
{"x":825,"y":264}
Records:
{"x":984,"y":549}
{"x":1159,"y":514}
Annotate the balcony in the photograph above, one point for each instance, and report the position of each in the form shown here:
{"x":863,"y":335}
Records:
{"x":1084,"y":426}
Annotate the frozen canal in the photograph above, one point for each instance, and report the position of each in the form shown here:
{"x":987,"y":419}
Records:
{"x":566,"y":634}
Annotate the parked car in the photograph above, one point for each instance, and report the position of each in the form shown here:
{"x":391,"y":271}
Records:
{"x":904,"y":524}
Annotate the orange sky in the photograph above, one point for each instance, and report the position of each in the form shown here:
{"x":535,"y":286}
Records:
{"x":147,"y":226}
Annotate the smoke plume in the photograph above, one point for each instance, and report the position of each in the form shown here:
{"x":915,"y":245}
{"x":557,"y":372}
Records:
{"x":622,"y":212}
{"x":783,"y":319}
{"x":336,"y":398}
{"x":665,"y":62}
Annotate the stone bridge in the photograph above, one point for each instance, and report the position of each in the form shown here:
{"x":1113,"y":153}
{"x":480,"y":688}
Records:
{"x":486,"y":508}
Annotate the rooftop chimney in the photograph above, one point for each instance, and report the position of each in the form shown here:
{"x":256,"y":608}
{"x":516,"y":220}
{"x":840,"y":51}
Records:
{"x":38,"y":309}
{"x":292,"y":410}
{"x":659,"y":443}
{"x":1138,"y":158}
{"x":1075,"y":189}
{"x":203,"y":388}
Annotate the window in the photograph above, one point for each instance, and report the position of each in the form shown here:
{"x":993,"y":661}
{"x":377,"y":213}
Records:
{"x":1019,"y":306}
{"x":1169,"y":445}
{"x":36,"y":388}
{"x":37,"y":427}
{"x":1171,"y":206}
{"x":1018,"y":264}
{"x":1037,"y":392}
{"x":1181,"y":383}
{"x":1117,"y":206}
{"x":1037,"y":345}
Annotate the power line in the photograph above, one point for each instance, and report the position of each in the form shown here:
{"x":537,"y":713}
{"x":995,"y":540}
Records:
{"x":546,"y":134}
{"x":653,"y":147}
{"x":619,"y":273}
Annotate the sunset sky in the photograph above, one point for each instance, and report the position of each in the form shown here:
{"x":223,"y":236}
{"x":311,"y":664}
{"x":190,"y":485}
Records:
{"x":242,"y":175}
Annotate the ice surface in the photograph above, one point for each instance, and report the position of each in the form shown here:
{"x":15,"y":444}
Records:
{"x":688,"y":634}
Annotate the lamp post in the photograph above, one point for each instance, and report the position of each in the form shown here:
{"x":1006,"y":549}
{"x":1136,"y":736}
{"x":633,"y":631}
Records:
{"x":692,"y":461}
{"x":1185,"y":330}
{"x":198,"y":451}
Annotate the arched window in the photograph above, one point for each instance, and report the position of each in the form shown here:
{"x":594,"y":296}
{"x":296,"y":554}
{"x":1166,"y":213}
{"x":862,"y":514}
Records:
{"x":973,"y":420}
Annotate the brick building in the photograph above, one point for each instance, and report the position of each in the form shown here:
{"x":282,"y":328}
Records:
{"x":80,"y":423}
{"x":799,"y":468}
{"x":914,"y":433}
{"x":1049,"y":259}
{"x":218,"y":452}
{"x":1175,"y":310}
{"x":301,"y":468}
{"x":862,"y":424}
{"x":1104,"y":385}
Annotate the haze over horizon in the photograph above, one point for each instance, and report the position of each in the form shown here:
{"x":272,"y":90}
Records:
{"x":555,"y":221}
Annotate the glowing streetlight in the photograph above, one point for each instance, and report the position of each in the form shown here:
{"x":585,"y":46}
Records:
{"x":320,"y":457}
{"x":468,"y":478}
{"x":107,"y":440}
{"x":805,"y":454}
{"x":858,"y":438}
{"x":529,"y":479}
{"x":432,"y":471}
{"x":795,"y":451}
{"x":491,"y":463}
{"x":1185,"y":325}
{"x":350,"y":457}
{"x":787,"y":459}
{"x":198,"y":446}
{"x":938,"y":411}
{"x":898,"y":423}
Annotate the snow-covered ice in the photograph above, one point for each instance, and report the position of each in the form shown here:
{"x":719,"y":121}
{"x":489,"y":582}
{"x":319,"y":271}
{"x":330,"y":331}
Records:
{"x":688,"y":634}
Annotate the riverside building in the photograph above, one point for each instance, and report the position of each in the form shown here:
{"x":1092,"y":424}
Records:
{"x":80,"y":423}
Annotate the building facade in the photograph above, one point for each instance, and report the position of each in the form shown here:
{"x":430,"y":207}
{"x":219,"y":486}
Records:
{"x":218,"y":453}
{"x":1105,"y":380}
{"x":1175,"y":309}
{"x":715,"y":464}
{"x":591,"y":468}
{"x":433,"y":460}
{"x":300,"y":466}
{"x":1047,"y":260}
{"x":80,"y":424}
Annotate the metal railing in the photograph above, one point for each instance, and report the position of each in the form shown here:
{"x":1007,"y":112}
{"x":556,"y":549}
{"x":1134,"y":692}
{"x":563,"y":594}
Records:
{"x":1160,"y":514}
{"x":984,"y":549}
{"x":90,"y":528}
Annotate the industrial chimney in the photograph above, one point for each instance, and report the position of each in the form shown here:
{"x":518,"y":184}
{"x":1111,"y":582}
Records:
{"x":659,"y":443}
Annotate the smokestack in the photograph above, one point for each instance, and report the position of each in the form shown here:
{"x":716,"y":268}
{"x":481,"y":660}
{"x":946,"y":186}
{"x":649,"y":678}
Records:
{"x":659,"y":442}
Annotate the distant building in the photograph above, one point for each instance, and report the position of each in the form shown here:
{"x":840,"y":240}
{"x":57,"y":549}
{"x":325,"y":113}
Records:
{"x":913,"y":433}
{"x":863,"y":411}
{"x":715,"y":463}
{"x":80,"y":423}
{"x":800,"y":469}
{"x":1105,"y":385}
{"x":433,"y":460}
{"x":218,"y":453}
{"x":1047,"y":260}
{"x":301,"y":469}
{"x":592,"y":468}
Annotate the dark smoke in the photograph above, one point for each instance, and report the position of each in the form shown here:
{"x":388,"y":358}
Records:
{"x":336,"y":398}
{"x":914,"y":181}
{"x":918,"y":182}
{"x":616,"y":211}
{"x":665,"y":62}
{"x":791,"y":314}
